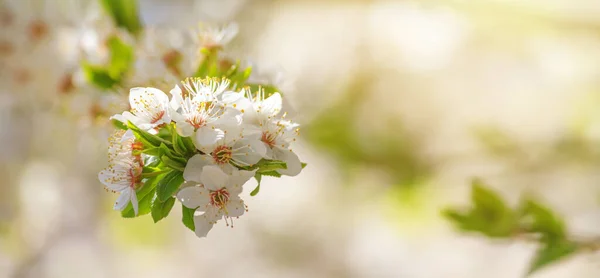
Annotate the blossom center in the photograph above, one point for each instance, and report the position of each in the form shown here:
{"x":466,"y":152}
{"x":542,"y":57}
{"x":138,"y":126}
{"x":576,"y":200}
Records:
{"x":157,"y":117}
{"x":222,"y":154}
{"x":268,"y":138}
{"x":219,"y":198}
{"x":196,"y":121}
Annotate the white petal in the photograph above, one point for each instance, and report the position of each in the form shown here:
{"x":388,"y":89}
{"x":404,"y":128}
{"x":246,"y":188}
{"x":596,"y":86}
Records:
{"x":272,"y":105}
{"x":230,"y":117}
{"x":105,"y":176}
{"x":176,"y":99}
{"x":207,"y":137}
{"x":194,"y":197}
{"x":134,"y":201}
{"x":294,"y":166}
{"x":235,"y":207}
{"x":258,"y":147}
{"x":213,"y":178}
{"x":202,"y":225}
{"x":185,"y":129}
{"x":238,"y":179}
{"x":193,"y":168}
{"x":123,"y":200}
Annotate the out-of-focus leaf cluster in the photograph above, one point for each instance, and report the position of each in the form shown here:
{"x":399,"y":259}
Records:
{"x":490,"y":215}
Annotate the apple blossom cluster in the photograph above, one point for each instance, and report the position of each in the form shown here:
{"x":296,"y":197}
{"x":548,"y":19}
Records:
{"x":198,"y":146}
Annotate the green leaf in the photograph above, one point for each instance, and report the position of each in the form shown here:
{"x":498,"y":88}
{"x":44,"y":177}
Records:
{"x":143,"y":206}
{"x":168,"y":186}
{"x":303,"y":165}
{"x":118,"y":124}
{"x":153,"y":151}
{"x":144,"y":196}
{"x":271,"y":174}
{"x":258,"y":177}
{"x":188,"y":217}
{"x":160,"y":209}
{"x":147,"y":139}
{"x":265,"y":165}
{"x":174,"y":164}
{"x":98,"y":76}
{"x":124,"y":13}
{"x":551,"y":253}
{"x":541,"y":219}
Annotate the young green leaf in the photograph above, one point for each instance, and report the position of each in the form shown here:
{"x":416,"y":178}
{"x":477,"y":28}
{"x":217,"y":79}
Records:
{"x":188,"y":217}
{"x":147,"y":139}
{"x":258,"y":177}
{"x":551,"y":253}
{"x":168,"y":186}
{"x":160,"y":209}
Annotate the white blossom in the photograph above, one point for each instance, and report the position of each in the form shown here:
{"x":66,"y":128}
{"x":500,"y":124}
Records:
{"x":216,"y":197}
{"x":149,"y":108}
{"x":123,"y":174}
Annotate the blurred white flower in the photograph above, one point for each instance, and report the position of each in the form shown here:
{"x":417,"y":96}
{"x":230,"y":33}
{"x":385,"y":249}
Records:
{"x":149,"y":108}
{"x":216,"y":37}
{"x":217,"y":196}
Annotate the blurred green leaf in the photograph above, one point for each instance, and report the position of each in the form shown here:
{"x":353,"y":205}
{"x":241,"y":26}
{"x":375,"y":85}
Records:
{"x":551,"y":253}
{"x":121,"y":58}
{"x":188,"y":217}
{"x":160,"y":209}
{"x":98,"y":76}
{"x":124,"y":14}
{"x":266,"y":88}
{"x":488,"y":215}
{"x":209,"y":65}
{"x":541,"y":219}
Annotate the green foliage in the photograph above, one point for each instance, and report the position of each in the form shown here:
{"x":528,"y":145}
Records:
{"x":188,"y":217}
{"x":145,"y":194}
{"x":551,"y":253}
{"x":108,"y":76}
{"x":98,"y":76}
{"x":160,"y":209}
{"x":183,"y":146}
{"x":168,"y":185}
{"x":541,"y":219}
{"x":258,"y":178}
{"x":393,"y":151}
{"x":209,"y":65}
{"x":147,"y":139}
{"x":124,"y":13}
{"x":489,"y":215}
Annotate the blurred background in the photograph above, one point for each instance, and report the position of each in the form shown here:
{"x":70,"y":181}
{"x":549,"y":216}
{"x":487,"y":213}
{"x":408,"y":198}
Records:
{"x":401,"y":102}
